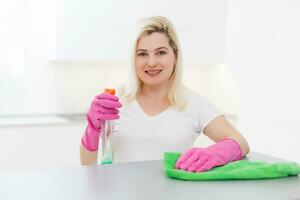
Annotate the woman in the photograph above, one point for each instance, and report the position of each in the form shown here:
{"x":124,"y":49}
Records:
{"x":159,"y":114}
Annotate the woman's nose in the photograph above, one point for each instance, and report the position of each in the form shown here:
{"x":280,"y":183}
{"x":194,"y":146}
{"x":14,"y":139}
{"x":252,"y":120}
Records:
{"x":151,"y":62}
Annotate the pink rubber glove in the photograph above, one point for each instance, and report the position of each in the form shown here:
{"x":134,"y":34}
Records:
{"x":203,"y":159}
{"x":103,"y":107}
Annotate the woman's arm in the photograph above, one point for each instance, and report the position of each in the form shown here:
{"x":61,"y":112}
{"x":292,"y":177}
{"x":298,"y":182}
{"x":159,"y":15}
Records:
{"x":220,"y":128}
{"x":87,"y":157}
{"x":230,"y":146}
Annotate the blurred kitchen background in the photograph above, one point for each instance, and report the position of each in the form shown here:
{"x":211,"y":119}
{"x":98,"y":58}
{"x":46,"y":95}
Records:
{"x":56,"y":55}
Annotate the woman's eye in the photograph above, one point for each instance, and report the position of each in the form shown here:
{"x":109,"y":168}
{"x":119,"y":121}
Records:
{"x":142,"y":54}
{"x":161,"y":53}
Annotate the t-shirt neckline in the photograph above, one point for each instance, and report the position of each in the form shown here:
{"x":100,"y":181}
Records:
{"x":149,"y":116}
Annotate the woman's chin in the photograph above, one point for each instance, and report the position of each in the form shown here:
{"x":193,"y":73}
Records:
{"x":154,"y":83}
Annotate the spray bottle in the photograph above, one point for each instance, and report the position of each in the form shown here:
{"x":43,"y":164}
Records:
{"x":105,"y":154}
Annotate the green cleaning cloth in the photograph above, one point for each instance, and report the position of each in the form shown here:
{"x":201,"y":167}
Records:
{"x":242,"y":169}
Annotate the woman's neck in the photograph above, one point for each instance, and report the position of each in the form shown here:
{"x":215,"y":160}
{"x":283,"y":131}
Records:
{"x":156,"y":93}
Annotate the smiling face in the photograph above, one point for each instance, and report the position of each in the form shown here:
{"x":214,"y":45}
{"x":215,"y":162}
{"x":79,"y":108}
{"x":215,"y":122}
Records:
{"x":154,"y":59}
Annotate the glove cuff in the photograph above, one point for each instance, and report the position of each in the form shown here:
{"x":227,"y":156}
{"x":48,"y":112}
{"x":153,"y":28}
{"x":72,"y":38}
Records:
{"x":90,"y":139}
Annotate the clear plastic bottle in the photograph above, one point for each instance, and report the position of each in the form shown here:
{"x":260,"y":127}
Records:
{"x":105,"y":154}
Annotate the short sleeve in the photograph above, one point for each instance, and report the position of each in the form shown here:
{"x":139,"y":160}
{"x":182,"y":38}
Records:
{"x":205,"y":111}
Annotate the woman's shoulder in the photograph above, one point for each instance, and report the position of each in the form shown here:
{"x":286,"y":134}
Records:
{"x":195,"y":99}
{"x":200,"y":103}
{"x":205,"y":109}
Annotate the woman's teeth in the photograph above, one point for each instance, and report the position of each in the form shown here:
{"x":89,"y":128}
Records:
{"x":153,"y":72}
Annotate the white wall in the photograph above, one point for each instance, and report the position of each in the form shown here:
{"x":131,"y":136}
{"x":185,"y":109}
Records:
{"x":262,"y":53}
{"x":101,"y":30}
{"x":30,"y":41}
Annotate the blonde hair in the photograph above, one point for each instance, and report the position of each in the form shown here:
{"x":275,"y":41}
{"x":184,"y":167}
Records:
{"x":146,"y":26}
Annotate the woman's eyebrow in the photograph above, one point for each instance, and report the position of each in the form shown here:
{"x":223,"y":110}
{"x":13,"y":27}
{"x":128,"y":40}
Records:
{"x":141,"y":50}
{"x":159,"y":48}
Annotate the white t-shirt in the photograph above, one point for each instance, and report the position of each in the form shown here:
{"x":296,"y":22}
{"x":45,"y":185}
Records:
{"x":138,"y":136}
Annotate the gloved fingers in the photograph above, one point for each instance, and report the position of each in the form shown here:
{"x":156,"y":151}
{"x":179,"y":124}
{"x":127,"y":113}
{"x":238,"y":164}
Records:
{"x":108,"y":116}
{"x":104,"y":110}
{"x":184,"y":157}
{"x":200,"y":169}
{"x":186,"y":164}
{"x":108,"y":103}
{"x":93,"y":121}
{"x":209,"y":164}
{"x":199,"y":163}
{"x":107,"y":96}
